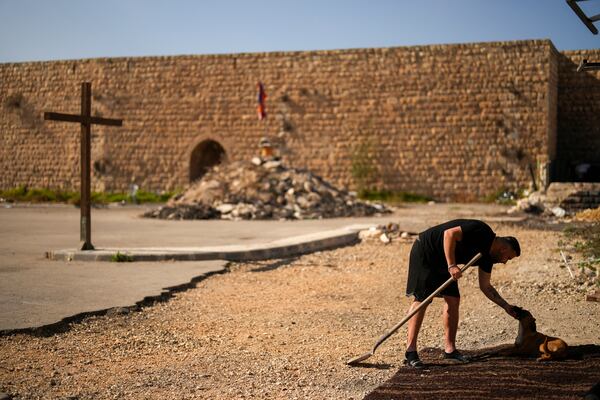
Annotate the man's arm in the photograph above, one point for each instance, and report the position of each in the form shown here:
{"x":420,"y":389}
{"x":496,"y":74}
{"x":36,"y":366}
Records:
{"x":492,"y":294}
{"x":451,"y":236}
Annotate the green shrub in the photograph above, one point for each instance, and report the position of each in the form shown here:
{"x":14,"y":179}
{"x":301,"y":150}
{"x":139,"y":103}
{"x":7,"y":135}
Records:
{"x":362,"y":168}
{"x":504,"y":196}
{"x":15,"y":193}
{"x":151,"y":197}
{"x":392,"y":197}
{"x":585,"y":238}
{"x":113,"y":197}
{"x":121,"y":257}
{"x":37,"y":195}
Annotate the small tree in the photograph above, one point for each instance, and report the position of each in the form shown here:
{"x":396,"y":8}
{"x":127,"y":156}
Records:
{"x":363,"y":170}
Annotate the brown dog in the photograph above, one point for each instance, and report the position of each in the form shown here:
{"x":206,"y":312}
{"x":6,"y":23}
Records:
{"x":531,"y":343}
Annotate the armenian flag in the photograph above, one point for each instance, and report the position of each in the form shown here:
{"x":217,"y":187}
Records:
{"x":262,"y":96}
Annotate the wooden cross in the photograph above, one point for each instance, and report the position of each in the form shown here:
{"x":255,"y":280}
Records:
{"x":86,"y":120}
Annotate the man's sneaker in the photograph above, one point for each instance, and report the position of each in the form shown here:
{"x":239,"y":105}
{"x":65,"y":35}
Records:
{"x":457,"y":356}
{"x":412,"y":360}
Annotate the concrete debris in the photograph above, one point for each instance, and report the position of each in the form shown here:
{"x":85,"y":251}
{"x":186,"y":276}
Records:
{"x":386,"y":233}
{"x":558,"y":212}
{"x":533,"y":204}
{"x":385,"y":239}
{"x":263,"y":190}
{"x":594,"y":296}
{"x":561,"y":199}
{"x":186,"y":211}
{"x":370,"y":233}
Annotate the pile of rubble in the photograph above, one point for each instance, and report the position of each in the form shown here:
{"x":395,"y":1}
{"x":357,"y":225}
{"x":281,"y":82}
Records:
{"x":263,"y":190}
{"x":537,"y":203}
{"x":561,"y":199}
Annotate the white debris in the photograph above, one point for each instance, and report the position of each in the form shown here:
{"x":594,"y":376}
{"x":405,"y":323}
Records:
{"x":558,"y":212}
{"x":385,"y":238}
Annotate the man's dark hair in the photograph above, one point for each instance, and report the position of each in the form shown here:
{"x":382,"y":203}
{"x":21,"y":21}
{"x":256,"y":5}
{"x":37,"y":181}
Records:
{"x":514,"y":243}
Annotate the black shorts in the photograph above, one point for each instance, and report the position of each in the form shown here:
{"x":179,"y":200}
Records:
{"x":424,"y":279}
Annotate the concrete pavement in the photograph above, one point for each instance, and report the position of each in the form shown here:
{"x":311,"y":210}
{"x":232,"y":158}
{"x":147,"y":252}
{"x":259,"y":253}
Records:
{"x":40,"y":295}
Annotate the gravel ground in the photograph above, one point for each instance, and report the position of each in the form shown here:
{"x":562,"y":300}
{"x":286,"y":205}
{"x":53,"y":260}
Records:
{"x":283,"y":329}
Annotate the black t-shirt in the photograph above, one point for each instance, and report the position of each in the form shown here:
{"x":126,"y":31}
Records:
{"x":477,"y":237}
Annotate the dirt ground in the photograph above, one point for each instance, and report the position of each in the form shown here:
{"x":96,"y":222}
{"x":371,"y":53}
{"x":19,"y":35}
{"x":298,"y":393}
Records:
{"x":283,"y":329}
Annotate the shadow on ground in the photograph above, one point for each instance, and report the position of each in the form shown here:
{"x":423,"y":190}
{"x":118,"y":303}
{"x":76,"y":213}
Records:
{"x":494,"y":377}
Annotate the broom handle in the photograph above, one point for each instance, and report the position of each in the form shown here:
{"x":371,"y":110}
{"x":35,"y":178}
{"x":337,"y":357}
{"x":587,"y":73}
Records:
{"x":423,"y":304}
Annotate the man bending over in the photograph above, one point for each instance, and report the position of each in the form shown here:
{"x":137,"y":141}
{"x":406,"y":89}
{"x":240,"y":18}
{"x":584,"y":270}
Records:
{"x":434,"y":258}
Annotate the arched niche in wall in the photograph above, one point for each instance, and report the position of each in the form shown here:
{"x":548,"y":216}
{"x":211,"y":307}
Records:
{"x":205,"y":155}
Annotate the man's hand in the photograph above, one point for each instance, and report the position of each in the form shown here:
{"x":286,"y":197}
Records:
{"x":455,"y":272}
{"x":510,"y":311}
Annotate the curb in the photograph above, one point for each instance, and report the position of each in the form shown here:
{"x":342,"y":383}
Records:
{"x":283,"y":248}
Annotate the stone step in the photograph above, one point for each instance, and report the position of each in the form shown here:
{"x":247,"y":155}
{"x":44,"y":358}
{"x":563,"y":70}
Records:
{"x":574,"y":196}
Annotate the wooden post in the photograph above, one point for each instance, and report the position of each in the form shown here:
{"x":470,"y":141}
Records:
{"x":85,"y":236}
{"x":86,"y":120}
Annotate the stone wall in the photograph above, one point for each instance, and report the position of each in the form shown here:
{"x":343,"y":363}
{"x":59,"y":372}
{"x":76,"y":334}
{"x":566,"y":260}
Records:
{"x":455,"y":122}
{"x":578,"y":117}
